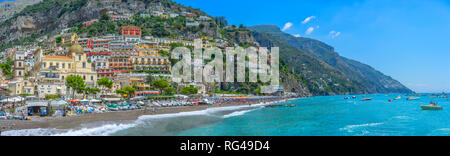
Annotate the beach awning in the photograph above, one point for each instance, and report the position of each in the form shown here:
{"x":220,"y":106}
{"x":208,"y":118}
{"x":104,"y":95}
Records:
{"x":37,"y":104}
{"x":14,"y":99}
{"x":138,"y":98}
{"x":96,"y":101}
{"x":58,"y":103}
{"x":75,"y":100}
{"x":112,"y":99}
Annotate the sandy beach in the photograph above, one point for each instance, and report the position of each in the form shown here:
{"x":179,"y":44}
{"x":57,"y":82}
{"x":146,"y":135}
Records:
{"x":121,"y":116}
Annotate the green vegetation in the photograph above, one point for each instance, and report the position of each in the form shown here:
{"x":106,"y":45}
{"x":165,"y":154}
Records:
{"x":25,"y":95}
{"x":7,"y":68}
{"x":76,"y":83}
{"x":105,"y":83}
{"x":52,"y":96}
{"x":163,"y":86}
{"x":191,"y":90}
{"x":127,"y":92}
{"x":91,"y":91}
{"x":58,"y":39}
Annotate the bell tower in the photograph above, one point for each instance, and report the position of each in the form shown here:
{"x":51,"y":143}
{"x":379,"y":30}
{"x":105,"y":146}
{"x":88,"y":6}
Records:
{"x":19,"y":65}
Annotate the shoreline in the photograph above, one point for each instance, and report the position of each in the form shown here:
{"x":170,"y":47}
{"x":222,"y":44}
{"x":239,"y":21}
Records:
{"x":122,"y":116}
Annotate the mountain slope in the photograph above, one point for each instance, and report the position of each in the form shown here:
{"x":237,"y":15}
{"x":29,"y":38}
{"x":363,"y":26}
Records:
{"x":319,"y":77}
{"x":367,"y":78}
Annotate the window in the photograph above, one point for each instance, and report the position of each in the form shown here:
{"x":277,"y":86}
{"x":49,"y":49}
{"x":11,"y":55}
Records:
{"x":84,"y":77}
{"x":57,"y":65}
{"x":45,"y":64}
{"x":92,"y":78}
{"x":84,"y":64}
{"x":62,"y":77}
{"x":63,"y":65}
{"x":20,"y":64}
{"x":69,"y":65}
{"x":79,"y":57}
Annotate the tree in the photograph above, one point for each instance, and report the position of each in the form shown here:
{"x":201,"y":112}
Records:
{"x":91,"y":91}
{"x":105,"y":83}
{"x":160,"y":84}
{"x":191,"y":90}
{"x":7,"y":68}
{"x":104,"y":17}
{"x":129,"y":91}
{"x":169,"y":90}
{"x":58,"y":39}
{"x":77,"y":84}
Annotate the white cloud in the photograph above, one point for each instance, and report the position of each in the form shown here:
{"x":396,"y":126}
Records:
{"x":287,"y":26}
{"x":297,"y":35}
{"x":309,"y":31}
{"x":333,"y":34}
{"x":308,"y":19}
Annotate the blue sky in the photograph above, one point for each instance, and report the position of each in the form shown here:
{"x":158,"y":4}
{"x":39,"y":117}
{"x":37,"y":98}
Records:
{"x":406,"y":39}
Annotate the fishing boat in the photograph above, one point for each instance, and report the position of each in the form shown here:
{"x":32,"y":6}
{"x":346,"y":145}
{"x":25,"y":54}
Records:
{"x":431,"y":107}
{"x":413,"y":98}
{"x":366,"y":99}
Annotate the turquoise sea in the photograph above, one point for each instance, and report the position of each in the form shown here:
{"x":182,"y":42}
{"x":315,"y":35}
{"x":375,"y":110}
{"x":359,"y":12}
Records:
{"x":315,"y":116}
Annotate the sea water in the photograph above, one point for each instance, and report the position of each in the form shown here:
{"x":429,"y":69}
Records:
{"x":316,"y":116}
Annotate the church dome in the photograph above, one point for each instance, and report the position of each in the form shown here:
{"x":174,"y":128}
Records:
{"x":76,"y":48}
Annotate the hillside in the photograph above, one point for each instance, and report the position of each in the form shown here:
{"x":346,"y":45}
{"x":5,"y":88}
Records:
{"x":9,"y":8}
{"x":367,"y":78}
{"x":50,"y":17}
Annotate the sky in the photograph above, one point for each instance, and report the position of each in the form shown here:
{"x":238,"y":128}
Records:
{"x":408,"y":40}
{"x":405,"y":39}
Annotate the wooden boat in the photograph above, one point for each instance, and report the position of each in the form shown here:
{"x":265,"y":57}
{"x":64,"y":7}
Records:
{"x":366,"y":99}
{"x":413,"y":98}
{"x":429,"y":107}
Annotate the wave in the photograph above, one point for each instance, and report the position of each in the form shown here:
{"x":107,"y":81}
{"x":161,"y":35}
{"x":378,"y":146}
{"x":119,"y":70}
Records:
{"x":30,"y":132}
{"x":239,"y":113}
{"x":103,"y":130}
{"x":209,"y":111}
{"x":350,"y":128}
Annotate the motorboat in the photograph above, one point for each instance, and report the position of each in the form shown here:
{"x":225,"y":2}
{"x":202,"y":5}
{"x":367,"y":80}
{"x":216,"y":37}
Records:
{"x":366,"y":99}
{"x":398,"y":97}
{"x":413,"y":98}
{"x":431,"y":107}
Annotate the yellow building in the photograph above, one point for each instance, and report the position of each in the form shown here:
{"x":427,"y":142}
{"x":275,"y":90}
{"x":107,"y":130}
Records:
{"x":147,"y":50}
{"x":165,"y":16}
{"x":57,"y":68}
{"x":69,"y":38}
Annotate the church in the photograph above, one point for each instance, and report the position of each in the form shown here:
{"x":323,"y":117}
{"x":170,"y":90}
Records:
{"x":52,"y":71}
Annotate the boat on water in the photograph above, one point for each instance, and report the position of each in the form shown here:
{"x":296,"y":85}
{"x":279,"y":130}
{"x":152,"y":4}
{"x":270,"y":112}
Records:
{"x":366,"y":99}
{"x":413,"y":98}
{"x":398,"y":97}
{"x":429,"y":107}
